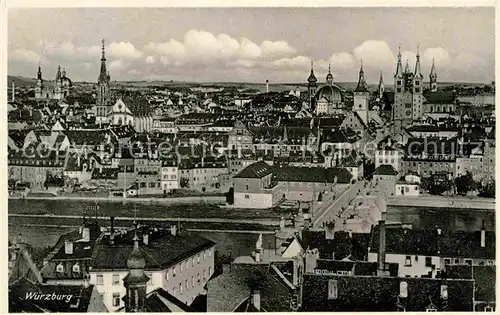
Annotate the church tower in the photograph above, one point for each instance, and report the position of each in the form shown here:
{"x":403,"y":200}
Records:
{"x":312,"y":86}
{"x":102,"y":90}
{"x":361,"y":96}
{"x":380,"y":89}
{"x":58,"y":85}
{"x":136,"y":280}
{"x":417,"y":92}
{"x":433,"y":78}
{"x":39,"y":84}
{"x":399,"y":89}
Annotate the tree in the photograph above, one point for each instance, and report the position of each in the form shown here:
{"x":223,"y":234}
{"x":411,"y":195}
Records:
{"x":230,"y":196}
{"x":438,"y":188}
{"x":464,"y":183}
{"x":184,"y":182}
{"x":425,"y":183}
{"x":487,"y":189}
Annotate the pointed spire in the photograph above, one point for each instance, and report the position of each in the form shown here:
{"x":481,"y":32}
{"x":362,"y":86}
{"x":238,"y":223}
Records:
{"x":381,"y":79}
{"x":361,"y":81}
{"x":103,"y":75}
{"x":103,"y":56}
{"x":407,"y":67}
{"x":329,"y":76}
{"x":433,"y":70}
{"x":399,"y":67}
{"x":39,"y":74}
{"x":418,"y":72}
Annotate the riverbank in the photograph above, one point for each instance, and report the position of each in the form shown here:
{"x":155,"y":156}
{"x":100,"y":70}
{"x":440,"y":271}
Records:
{"x":219,"y":200}
{"x":474,"y":203}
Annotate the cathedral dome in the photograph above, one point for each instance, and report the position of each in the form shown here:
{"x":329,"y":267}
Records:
{"x":331,"y":92}
{"x":312,"y":78}
{"x":66,"y":81}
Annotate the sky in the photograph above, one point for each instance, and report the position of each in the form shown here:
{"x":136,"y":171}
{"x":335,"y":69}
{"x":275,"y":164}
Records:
{"x":251,"y":44}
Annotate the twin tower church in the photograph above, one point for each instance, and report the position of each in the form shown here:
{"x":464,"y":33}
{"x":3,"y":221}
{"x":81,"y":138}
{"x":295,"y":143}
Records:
{"x":408,"y":93}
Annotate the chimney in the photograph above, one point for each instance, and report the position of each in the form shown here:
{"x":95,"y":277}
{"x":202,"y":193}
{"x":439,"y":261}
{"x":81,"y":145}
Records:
{"x":483,"y":236}
{"x":173,"y":230}
{"x":256,"y":299}
{"x":381,"y":248}
{"x":68,"y":247}
{"x":311,"y":260}
{"x":267,"y":86}
{"x":86,"y":234}
{"x":145,"y":236}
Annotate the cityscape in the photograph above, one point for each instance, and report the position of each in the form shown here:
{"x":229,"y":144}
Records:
{"x":209,"y":160}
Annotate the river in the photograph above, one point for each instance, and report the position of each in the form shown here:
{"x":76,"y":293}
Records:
{"x":452,"y":219}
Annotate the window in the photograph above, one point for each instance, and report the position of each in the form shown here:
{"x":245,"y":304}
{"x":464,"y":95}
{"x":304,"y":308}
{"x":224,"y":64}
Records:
{"x":209,"y":271}
{"x":399,"y":90}
{"x":491,"y":262}
{"x":199,"y":258}
{"x":247,"y":196}
{"x":209,"y":252}
{"x":116,"y":299}
{"x":100,"y":279}
{"x":180,"y":267}
{"x":174,"y":271}
{"x":116,"y":279}
{"x":198,"y":277}
{"x":457,"y":261}
{"x":447,"y":261}
{"x":428,"y":261}
{"x":192,"y":281}
{"x":60,"y":268}
{"x":204,"y":274}
{"x":186,"y":285}
{"x":204,"y":255}
{"x":173,"y":291}
{"x":76,"y":268}
{"x":489,"y":309}
{"x":192,"y":262}
{"x":166,"y":275}
{"x":468,"y":262}
{"x":408,"y":261}
{"x":332,"y":289}
{"x":180,"y":287}
{"x":246,"y":187}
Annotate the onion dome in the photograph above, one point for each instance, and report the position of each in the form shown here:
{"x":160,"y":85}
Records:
{"x":329,"y":76}
{"x":312,"y":78}
{"x":136,"y":260}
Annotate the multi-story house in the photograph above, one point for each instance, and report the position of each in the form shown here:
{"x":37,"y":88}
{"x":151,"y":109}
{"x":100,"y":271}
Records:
{"x":176,"y":260}
{"x":169,"y":175}
{"x":203,"y":174}
{"x":254,"y":187}
{"x":240,"y":137}
{"x":389,"y":152}
{"x":427,"y":252}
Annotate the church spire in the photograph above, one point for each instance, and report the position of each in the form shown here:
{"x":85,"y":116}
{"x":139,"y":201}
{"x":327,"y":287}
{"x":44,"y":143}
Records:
{"x":381,"y":86}
{"x":361,"y":81}
{"x":103,"y":73}
{"x":39,"y":74}
{"x":418,"y":72}
{"x":329,"y":76}
{"x":399,"y":67}
{"x":312,"y":78}
{"x":433,"y":77}
{"x":407,"y":67}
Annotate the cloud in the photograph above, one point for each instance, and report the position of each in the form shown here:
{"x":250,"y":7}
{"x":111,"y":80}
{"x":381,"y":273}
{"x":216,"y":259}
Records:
{"x":375,"y":54}
{"x":150,"y":59}
{"x":24,"y":55}
{"x":441,"y":56}
{"x":118,"y":65}
{"x":68,"y":51}
{"x":124,"y":50}
{"x":341,"y":61}
{"x":276,"y":49}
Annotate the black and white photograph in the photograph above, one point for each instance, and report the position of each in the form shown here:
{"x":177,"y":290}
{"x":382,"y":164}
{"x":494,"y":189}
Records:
{"x":268,"y":158}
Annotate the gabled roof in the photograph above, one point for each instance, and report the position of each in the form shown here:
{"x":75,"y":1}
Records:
{"x":440,"y":97}
{"x":311,"y":174}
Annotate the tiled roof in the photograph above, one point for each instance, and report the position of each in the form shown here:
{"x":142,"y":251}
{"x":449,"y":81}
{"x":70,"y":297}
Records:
{"x":18,"y":303}
{"x":385,"y":170}
{"x":429,"y":243}
{"x":258,"y":169}
{"x":162,"y":251}
{"x":311,"y":174}
{"x":370,"y":293}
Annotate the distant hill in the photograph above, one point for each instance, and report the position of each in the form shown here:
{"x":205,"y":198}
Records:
{"x":21,"y":81}
{"x":277,"y":87}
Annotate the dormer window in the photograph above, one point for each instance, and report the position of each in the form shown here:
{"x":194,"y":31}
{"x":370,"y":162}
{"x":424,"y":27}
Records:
{"x":76,"y":268}
{"x":60,"y":268}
